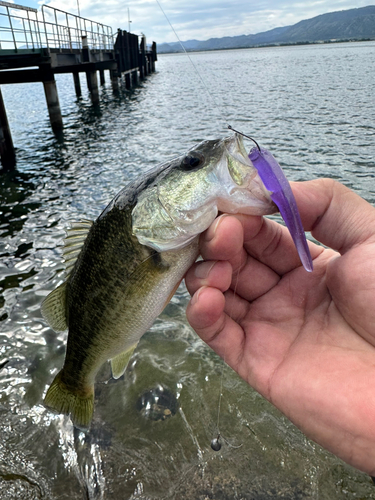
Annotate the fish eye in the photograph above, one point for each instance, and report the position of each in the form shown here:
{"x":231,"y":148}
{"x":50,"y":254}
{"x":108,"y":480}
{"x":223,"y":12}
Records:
{"x":192,"y":161}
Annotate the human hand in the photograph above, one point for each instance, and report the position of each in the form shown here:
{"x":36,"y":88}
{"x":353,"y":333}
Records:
{"x":305,"y":341}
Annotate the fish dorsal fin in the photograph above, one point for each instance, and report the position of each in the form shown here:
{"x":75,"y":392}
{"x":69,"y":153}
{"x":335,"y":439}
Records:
{"x":54,"y":305}
{"x":73,"y":243}
{"x":120,"y":362}
{"x":54,"y":309}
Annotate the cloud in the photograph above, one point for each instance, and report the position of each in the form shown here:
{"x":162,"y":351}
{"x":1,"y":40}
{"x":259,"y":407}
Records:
{"x":201,"y":19}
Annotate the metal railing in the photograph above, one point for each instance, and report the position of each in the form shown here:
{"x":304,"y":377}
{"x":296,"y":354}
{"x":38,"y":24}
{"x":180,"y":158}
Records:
{"x":26,"y":28}
{"x":18,"y":27}
{"x":65,"y":31}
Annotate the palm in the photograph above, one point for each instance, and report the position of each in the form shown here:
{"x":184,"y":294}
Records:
{"x":303,"y":320}
{"x":304,"y":341}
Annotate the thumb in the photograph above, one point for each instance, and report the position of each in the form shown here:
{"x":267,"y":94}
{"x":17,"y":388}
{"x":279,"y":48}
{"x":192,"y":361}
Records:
{"x":335,"y":215}
{"x":342,"y":220}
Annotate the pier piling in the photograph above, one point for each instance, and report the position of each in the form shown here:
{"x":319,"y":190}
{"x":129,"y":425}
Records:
{"x":92,"y":85}
{"x":77,"y":84}
{"x":142,"y":59}
{"x":8,"y":157}
{"x":154,"y":56}
{"x":135,"y":78}
{"x":114,"y":80}
{"x":85,"y":49}
{"x":53,"y":105}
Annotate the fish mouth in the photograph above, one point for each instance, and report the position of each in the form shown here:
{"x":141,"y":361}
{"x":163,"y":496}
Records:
{"x":246,"y":192}
{"x":235,"y":148}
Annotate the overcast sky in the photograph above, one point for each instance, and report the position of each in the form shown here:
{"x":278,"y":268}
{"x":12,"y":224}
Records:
{"x":199,"y":19}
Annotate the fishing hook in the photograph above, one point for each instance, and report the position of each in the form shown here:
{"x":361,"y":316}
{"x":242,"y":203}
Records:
{"x":244,"y":135}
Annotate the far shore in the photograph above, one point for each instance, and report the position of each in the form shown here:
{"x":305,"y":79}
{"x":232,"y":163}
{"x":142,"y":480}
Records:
{"x":260,"y":46}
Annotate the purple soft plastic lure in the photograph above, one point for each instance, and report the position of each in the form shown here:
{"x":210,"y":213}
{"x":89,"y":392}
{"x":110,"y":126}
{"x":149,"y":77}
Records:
{"x":281,"y":194}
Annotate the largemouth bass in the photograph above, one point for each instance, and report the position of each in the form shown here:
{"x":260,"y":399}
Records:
{"x":123,"y":268}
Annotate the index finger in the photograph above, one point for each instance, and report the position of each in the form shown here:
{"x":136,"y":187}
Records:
{"x":265,"y":249}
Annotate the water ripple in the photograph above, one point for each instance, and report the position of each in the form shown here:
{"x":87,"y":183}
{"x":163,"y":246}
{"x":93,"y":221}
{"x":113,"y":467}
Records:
{"x":313,"y":108}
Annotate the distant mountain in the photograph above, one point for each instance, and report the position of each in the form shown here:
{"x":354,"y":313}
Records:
{"x":353,"y":24}
{"x":345,"y":24}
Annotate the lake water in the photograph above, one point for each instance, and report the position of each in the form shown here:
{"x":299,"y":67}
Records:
{"x":314,"y":108}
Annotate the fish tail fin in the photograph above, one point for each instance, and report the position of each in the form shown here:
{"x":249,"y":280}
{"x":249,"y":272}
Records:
{"x":61,"y":399}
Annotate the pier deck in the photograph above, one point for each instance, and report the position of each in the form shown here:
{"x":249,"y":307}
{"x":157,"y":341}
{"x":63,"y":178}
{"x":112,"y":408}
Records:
{"x":37,"y":44}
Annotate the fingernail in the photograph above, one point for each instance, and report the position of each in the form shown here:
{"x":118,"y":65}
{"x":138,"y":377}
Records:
{"x":195,"y":297}
{"x":203,"y":269}
{"x":213,"y":228}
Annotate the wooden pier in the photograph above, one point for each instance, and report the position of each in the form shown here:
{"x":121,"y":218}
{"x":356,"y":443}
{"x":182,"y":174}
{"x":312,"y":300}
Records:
{"x":37,"y":44}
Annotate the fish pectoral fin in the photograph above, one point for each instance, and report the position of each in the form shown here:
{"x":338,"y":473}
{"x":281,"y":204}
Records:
{"x":79,"y":405}
{"x":54,"y":309}
{"x":120,"y":362}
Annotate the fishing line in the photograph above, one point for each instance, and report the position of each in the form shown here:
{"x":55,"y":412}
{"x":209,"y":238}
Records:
{"x":215,"y":443}
{"x":215,"y":104}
